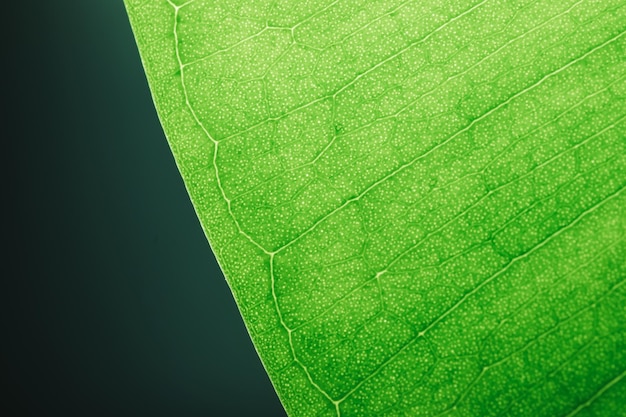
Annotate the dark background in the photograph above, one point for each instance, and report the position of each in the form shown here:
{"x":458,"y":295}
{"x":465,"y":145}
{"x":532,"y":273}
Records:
{"x":113,"y":303}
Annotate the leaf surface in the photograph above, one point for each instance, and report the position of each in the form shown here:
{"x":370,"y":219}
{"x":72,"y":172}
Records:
{"x":419,"y":206}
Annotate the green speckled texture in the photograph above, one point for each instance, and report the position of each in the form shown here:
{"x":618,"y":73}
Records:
{"x":419,"y":205}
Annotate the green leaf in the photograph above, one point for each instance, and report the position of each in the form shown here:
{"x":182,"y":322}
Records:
{"x":419,"y":205}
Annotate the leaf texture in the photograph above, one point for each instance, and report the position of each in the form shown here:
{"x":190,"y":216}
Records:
{"x":419,"y":206}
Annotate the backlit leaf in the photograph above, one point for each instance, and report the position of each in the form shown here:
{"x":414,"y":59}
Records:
{"x":419,"y":205}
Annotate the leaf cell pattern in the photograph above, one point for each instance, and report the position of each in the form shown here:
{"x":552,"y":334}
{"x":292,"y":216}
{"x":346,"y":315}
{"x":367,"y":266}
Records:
{"x":419,"y":205}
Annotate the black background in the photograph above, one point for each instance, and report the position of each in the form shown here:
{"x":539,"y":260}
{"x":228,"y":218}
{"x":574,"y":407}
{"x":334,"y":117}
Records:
{"x":113,"y":302}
